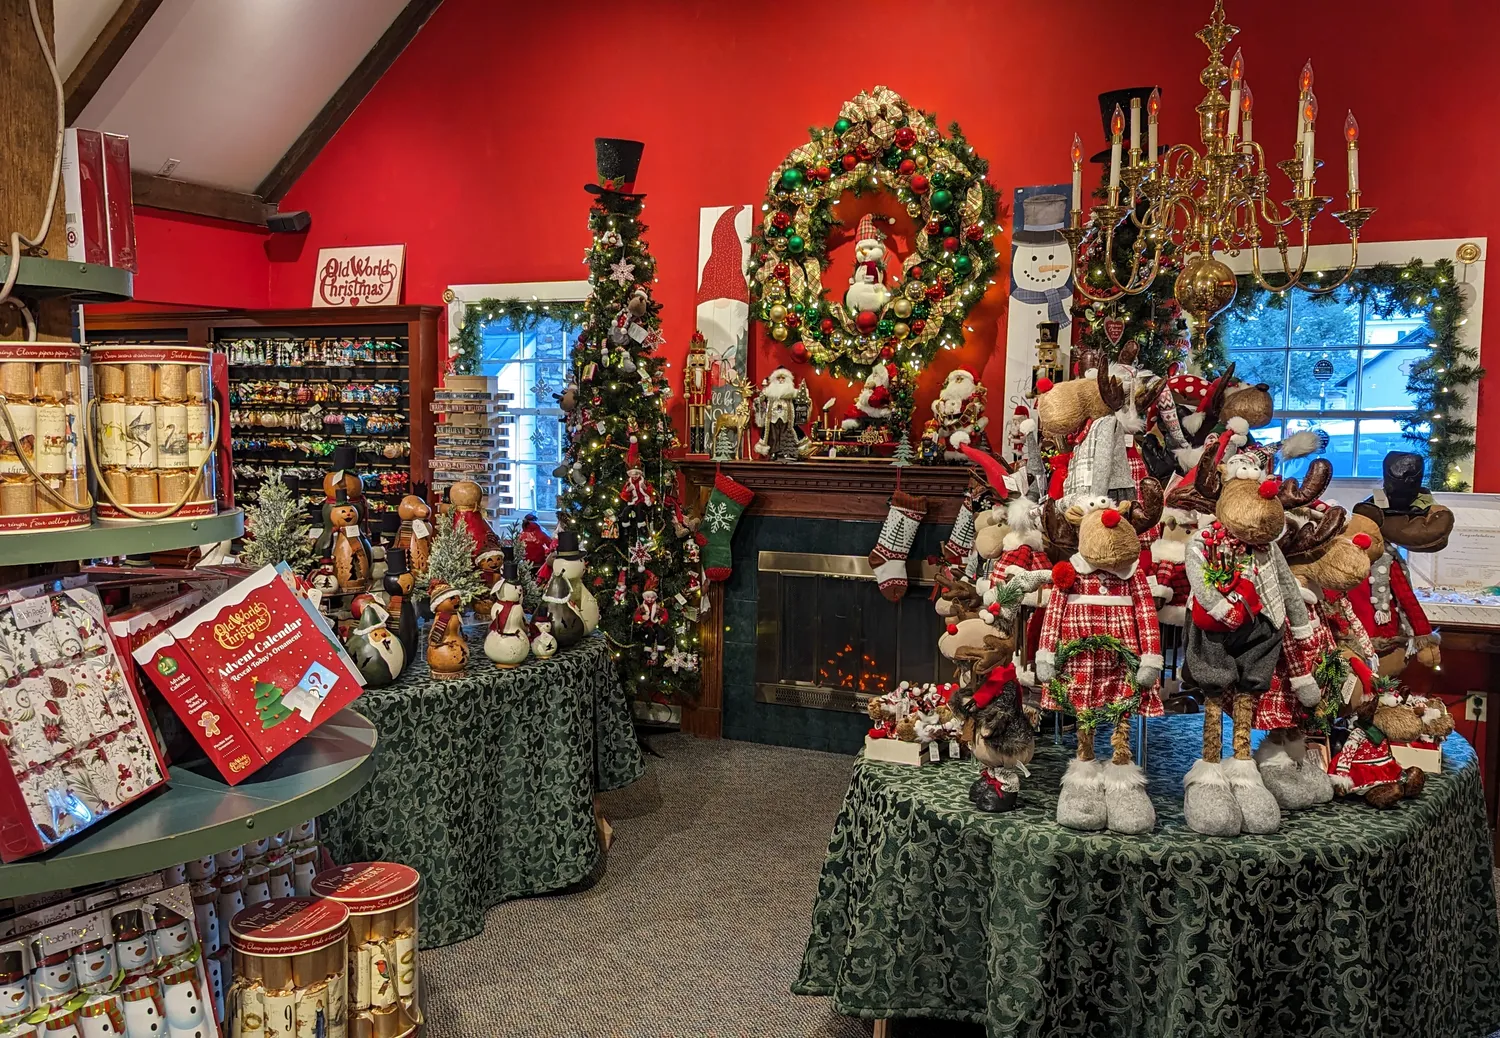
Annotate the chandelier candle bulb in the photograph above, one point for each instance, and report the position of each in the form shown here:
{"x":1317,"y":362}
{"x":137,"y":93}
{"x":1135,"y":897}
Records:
{"x":1351,"y":135}
{"x":1153,"y":113}
{"x":1076,"y":154}
{"x":1310,"y":123}
{"x":1247,"y":108}
{"x":1116,"y":128}
{"x":1304,"y":87}
{"x":1236,"y":86}
{"x":1135,"y":130}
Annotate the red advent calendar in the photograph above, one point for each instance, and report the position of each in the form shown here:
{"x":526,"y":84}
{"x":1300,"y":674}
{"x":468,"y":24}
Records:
{"x":251,"y":672}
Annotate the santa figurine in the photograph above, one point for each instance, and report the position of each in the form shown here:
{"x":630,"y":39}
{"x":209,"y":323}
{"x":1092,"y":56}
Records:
{"x":652,"y":616}
{"x":867,"y":292}
{"x":957,"y":417}
{"x":873,"y":407}
{"x":637,"y":495}
{"x":780,"y":410}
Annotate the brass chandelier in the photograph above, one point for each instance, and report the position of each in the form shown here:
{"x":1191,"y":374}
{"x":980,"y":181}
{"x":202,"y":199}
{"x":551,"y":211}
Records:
{"x":1213,"y":199}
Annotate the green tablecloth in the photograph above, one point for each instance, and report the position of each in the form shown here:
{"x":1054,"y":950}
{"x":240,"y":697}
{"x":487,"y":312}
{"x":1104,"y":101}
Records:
{"x":1348,"y":921}
{"x":485,"y":784}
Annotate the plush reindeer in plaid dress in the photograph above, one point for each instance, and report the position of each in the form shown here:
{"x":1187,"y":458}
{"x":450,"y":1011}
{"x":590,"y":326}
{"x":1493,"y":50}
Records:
{"x":1100,"y":657}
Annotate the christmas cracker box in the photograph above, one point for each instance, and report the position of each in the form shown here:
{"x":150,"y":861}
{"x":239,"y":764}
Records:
{"x":251,"y":672}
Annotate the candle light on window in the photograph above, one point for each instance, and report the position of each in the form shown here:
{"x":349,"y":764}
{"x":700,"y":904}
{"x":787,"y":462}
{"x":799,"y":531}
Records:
{"x":1247,"y":108}
{"x":1153,"y":112}
{"x":1309,"y":123}
{"x":1351,"y":138}
{"x":1076,"y":154}
{"x":1236,"y":86}
{"x":1116,"y":129}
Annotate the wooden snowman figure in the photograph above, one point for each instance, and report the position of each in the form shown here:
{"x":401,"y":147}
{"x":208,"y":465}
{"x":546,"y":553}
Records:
{"x":398,"y":583}
{"x":415,"y":535}
{"x":351,"y":552}
{"x":570,"y":563}
{"x":186,"y":1009}
{"x":447,"y":649}
{"x":506,"y":643}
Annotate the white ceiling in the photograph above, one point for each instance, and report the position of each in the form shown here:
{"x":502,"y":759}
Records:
{"x":225,"y":86}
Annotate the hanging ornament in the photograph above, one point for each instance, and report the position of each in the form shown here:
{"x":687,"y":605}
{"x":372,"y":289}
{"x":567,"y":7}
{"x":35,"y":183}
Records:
{"x":609,"y":525}
{"x":620,"y":589}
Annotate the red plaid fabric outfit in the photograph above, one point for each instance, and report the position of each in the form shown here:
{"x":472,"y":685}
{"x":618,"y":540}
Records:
{"x":1097,"y":678}
{"x":1338,"y":613}
{"x":1173,"y":576}
{"x":1278,"y":707}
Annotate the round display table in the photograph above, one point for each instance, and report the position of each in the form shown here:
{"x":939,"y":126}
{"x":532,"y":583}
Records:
{"x":1348,"y":921}
{"x":485,"y":784}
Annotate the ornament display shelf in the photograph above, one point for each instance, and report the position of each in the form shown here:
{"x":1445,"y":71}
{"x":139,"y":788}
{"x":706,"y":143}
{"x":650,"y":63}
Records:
{"x":107,"y":541}
{"x":198,"y":814}
{"x":842,"y":488}
{"x":42,"y":278}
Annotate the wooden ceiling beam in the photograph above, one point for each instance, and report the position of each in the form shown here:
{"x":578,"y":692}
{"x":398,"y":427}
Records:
{"x":346,"y":99}
{"x":198,"y":199}
{"x":105,"y":53}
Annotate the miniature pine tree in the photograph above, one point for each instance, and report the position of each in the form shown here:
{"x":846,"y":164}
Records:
{"x":269,"y":706}
{"x":450,"y":560}
{"x":621,"y":383}
{"x":275,"y":531}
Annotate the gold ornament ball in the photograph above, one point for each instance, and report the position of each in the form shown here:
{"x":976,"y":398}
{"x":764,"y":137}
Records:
{"x":902,"y":307}
{"x":915,"y":290}
{"x":776,"y":292}
{"x":1204,"y":288}
{"x":778,"y":332}
{"x":921,"y":161}
{"x":902,"y":329}
{"x":778,"y":313}
{"x":913,"y":209}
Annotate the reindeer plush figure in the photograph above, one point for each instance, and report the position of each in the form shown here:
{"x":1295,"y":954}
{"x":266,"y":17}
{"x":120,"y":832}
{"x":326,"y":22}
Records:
{"x":1106,"y":462}
{"x":1244,"y":604}
{"x":1100,"y":658}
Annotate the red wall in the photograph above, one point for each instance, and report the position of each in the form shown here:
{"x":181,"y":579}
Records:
{"x":194,"y":261}
{"x":474,"y":147}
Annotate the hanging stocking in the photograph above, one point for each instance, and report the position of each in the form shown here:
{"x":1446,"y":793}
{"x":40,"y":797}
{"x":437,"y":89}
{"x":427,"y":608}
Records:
{"x":960,"y":543}
{"x":888,"y":560}
{"x":719,"y":520}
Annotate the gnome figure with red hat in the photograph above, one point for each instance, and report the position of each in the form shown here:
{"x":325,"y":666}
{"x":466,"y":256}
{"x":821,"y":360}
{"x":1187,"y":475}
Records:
{"x":867,"y":293}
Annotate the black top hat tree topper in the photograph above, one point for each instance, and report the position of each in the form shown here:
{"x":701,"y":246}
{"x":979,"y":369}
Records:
{"x":617,"y":161}
{"x":1107,"y":102}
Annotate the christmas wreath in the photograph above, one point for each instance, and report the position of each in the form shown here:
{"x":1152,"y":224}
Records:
{"x":879,"y":141}
{"x":1089,"y":717}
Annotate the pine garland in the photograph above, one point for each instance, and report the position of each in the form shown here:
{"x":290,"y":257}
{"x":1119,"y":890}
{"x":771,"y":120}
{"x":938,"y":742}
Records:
{"x":524,"y":314}
{"x":275,"y":530}
{"x":1438,"y":383}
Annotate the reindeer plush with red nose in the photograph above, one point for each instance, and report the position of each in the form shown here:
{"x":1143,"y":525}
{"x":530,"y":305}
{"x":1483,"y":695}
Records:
{"x":1244,"y":604}
{"x":1100,"y":656}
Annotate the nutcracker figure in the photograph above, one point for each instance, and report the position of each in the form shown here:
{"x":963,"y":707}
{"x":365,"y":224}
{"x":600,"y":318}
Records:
{"x":699,"y":392}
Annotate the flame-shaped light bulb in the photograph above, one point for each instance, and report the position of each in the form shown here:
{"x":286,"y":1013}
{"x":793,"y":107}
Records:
{"x":1247,"y":101}
{"x":1305,"y":81}
{"x":1237,"y":68}
{"x":1117,"y":123}
{"x":1076,"y":153}
{"x":1351,"y":129}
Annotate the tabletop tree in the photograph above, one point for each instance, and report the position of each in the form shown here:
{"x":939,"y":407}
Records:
{"x":620,"y":490}
{"x":276,"y":531}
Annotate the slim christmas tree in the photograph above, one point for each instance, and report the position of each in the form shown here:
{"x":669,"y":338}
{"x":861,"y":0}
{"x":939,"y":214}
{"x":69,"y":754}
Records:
{"x":275,"y":530}
{"x":269,"y":706}
{"x":621,"y":491}
{"x":450,"y":560}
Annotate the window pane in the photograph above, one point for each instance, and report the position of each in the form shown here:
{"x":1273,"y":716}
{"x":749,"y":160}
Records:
{"x":1322,"y":380}
{"x":1324,"y":320}
{"x":1382,"y":331}
{"x":1340,"y":452}
{"x":1263,"y":366}
{"x":1383,"y":382}
{"x":1377,"y":438}
{"x":1264,"y":327}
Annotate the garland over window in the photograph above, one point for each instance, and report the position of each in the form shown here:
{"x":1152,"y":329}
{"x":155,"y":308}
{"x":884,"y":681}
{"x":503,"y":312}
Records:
{"x":878,"y":142}
{"x":1438,"y":383}
{"x":523,"y":314}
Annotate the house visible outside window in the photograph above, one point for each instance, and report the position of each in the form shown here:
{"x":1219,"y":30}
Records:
{"x":1332,"y":363}
{"x":531,"y":364}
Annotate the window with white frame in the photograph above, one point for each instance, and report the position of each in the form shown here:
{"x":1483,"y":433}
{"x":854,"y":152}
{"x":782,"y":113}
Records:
{"x":1334,"y":363}
{"x":532,"y":361}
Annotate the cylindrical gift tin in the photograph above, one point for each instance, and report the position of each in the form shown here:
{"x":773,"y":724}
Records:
{"x":383,"y":937}
{"x":292,"y":949}
{"x":51,"y":440}
{"x":43,"y":398}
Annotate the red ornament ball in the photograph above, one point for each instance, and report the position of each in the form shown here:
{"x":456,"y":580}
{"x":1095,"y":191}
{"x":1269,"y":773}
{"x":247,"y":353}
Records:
{"x":905,"y":137}
{"x":974,"y":232}
{"x":849,"y":161}
{"x":915,"y":273}
{"x":827,"y":325}
{"x":782,"y":271}
{"x":793,"y":320}
{"x":906,"y":168}
{"x":918,"y":326}
{"x":866,"y":320}
{"x":950,"y":244}
{"x":919,"y":184}
{"x":799,"y":352}
{"x":864,"y":152}
{"x":933,"y":226}
{"x":935,"y":292}
{"x":781,"y":221}
{"x":823,"y":173}
{"x":887,"y":353}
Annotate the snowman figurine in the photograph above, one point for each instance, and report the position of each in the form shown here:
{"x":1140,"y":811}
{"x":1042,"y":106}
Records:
{"x":569,"y":563}
{"x":174,"y":934}
{"x":1041,"y":264}
{"x":56,"y":979}
{"x":206,"y":914}
{"x":506,"y":644}
{"x":143,"y":1012}
{"x":134,"y":950}
{"x":15,"y":988}
{"x":543,"y":645}
{"x":187,"y":1013}
{"x":867,"y":292}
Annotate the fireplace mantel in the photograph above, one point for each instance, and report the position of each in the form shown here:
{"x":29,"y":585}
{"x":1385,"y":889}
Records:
{"x":819,"y":489}
{"x":863,"y":488}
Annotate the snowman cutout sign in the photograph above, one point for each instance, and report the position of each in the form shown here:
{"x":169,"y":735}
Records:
{"x":867,"y":295}
{"x":1041,"y":287}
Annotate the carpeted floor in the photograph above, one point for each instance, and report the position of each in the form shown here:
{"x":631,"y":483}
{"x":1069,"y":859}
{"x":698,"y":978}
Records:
{"x":695,"y":927}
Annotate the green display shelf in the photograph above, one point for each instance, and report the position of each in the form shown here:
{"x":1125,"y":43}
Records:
{"x":85,"y":282}
{"x":199,"y":814}
{"x":104,"y":541}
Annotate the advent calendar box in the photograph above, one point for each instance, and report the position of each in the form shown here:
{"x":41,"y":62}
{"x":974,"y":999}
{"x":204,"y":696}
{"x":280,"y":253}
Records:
{"x":251,"y":672}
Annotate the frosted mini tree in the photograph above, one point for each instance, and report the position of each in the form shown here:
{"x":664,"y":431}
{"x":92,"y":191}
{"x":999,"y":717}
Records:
{"x":275,"y":530}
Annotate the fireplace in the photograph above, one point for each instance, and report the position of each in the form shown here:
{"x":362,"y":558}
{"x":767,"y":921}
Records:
{"x":825,"y":637}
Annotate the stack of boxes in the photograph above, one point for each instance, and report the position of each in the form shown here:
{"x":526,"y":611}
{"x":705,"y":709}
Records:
{"x":473,"y":439}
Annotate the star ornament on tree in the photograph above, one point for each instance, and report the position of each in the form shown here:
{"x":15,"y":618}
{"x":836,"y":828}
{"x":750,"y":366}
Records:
{"x":640,"y":554}
{"x":622,"y":271}
{"x":679,"y":660}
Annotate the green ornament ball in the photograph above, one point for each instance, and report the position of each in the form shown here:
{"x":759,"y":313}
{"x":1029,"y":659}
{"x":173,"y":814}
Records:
{"x":842,"y":126}
{"x":962,"y":264}
{"x":942,"y":199}
{"x":886,"y":326}
{"x":791,"y":177}
{"x":795,"y":242}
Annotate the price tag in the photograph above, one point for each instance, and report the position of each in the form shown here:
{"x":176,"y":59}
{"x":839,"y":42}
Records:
{"x":419,"y":528}
{"x":351,"y":532}
{"x":31,"y":612}
{"x":637,"y":333}
{"x":934,"y":753}
{"x":953,"y":749}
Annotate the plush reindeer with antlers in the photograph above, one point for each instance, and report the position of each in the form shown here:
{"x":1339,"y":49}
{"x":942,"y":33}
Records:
{"x":1244,"y":606}
{"x":1106,"y":462}
{"x":1100,"y":657}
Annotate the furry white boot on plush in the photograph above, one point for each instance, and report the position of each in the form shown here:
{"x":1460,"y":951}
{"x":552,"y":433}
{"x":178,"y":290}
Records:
{"x":1080,"y":801}
{"x":1258,"y":807}
{"x":1208,"y":804}
{"x":1126,"y":804}
{"x":1295,"y":781}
